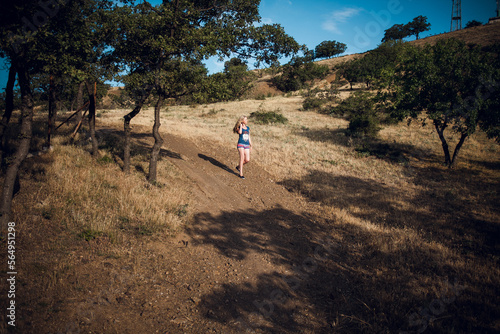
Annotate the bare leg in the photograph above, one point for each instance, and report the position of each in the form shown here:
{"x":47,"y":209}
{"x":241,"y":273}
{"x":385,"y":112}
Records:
{"x":242,"y":160}
{"x":247,"y":155}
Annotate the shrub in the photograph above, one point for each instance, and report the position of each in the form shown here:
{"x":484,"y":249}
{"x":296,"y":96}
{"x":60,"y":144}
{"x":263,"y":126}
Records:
{"x":313,"y":103}
{"x":362,"y":115}
{"x":267,"y":117}
{"x":363,"y":124}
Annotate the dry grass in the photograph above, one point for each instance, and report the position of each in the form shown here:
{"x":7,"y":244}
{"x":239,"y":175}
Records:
{"x":94,"y":195}
{"x":417,"y":242}
{"x":416,"y":224}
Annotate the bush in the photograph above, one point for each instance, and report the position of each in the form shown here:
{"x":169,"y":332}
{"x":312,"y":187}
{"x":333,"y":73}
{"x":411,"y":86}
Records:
{"x":362,"y":115}
{"x":363,"y":124}
{"x":313,"y":103}
{"x":267,"y":117}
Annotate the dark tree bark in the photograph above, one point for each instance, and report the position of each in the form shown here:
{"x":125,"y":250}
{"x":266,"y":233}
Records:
{"x":155,"y":152}
{"x":92,"y":108}
{"x":9,"y":108}
{"x":440,"y":127}
{"x":457,"y":149}
{"x":23,"y":148}
{"x":127,"y":129}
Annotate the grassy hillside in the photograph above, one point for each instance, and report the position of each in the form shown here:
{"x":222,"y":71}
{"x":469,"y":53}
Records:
{"x":415,"y":243}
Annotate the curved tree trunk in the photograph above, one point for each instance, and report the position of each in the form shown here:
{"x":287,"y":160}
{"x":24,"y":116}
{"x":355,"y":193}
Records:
{"x":440,"y":130}
{"x":155,"y":152}
{"x":457,"y":149}
{"x":127,"y":129}
{"x":9,"y":108}
{"x":23,"y":148}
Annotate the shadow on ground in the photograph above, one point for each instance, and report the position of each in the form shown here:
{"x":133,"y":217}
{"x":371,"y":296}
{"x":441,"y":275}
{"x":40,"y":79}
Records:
{"x":333,"y":278}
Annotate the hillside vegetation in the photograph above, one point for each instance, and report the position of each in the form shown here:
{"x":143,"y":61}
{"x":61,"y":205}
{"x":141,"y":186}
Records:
{"x":328,"y":233}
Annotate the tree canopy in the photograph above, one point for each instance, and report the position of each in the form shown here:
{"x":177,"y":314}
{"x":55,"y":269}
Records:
{"x":328,"y":49}
{"x":159,"y":49}
{"x":399,"y":31}
{"x":452,"y":85}
{"x":473,"y":23}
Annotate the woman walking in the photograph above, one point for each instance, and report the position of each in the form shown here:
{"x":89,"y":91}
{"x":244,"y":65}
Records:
{"x":244,"y":142}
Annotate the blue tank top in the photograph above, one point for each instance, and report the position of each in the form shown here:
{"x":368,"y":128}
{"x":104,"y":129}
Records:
{"x":245,"y":136}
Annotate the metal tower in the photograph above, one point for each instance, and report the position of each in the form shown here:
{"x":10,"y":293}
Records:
{"x":456,"y":15}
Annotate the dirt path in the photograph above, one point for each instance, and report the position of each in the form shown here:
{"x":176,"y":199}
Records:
{"x":246,"y":239}
{"x":253,"y":259}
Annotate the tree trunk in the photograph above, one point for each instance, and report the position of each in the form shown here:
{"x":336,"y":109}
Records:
{"x":9,"y":108}
{"x":457,"y":149}
{"x":23,"y":148}
{"x":127,"y":129}
{"x":52,"y":111}
{"x":440,"y":130}
{"x":155,"y":152}
{"x":92,"y":109}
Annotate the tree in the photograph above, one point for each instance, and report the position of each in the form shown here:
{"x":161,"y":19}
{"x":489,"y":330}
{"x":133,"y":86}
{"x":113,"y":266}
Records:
{"x":298,"y":73}
{"x":396,"y":33}
{"x":328,"y":49}
{"x":361,"y":112}
{"x":454,"y":85}
{"x":399,"y":31}
{"x":375,"y":65}
{"x":228,"y":85}
{"x":472,"y":24}
{"x":352,"y":72}
{"x":184,"y":31}
{"x":14,"y":44}
{"x":417,"y":26}
{"x":32,"y":36}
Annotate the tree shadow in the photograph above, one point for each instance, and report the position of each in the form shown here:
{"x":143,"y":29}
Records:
{"x":332,"y":279}
{"x":217,"y":163}
{"x":375,"y":147}
{"x":326,"y":135}
{"x":441,"y":211}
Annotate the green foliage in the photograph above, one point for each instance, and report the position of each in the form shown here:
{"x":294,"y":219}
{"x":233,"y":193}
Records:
{"x":298,"y":74}
{"x":328,"y":49}
{"x":313,"y":103}
{"x":417,"y":26}
{"x":375,"y":66}
{"x":396,"y":33}
{"x":455,"y":85}
{"x":318,"y":100}
{"x":399,"y":31}
{"x":268,"y":117}
{"x":229,"y":85}
{"x":361,"y":113}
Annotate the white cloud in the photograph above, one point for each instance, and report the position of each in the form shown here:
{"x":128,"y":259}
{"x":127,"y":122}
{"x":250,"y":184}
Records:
{"x":266,"y":20}
{"x":339,"y":16}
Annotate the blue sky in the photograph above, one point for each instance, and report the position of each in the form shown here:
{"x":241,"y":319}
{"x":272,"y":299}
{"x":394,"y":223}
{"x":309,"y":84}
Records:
{"x":359,"y":24}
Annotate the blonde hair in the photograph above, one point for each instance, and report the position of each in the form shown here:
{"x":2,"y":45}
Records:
{"x":238,"y":123}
